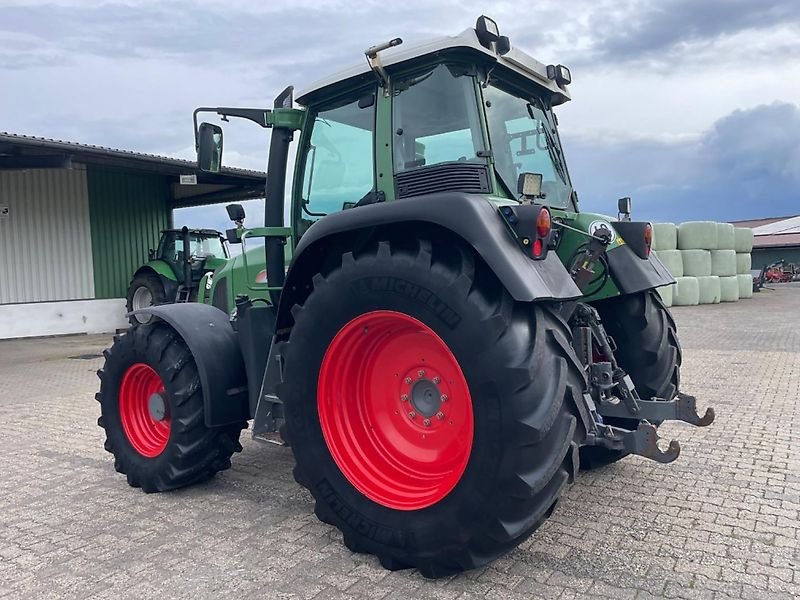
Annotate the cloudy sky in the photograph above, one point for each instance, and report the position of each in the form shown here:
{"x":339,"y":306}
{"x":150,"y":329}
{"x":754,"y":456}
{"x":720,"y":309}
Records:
{"x":691,"y":107}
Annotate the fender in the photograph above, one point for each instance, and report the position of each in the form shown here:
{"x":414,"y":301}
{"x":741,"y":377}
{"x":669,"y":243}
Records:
{"x":163,"y":271}
{"x":213,"y":343}
{"x":632,"y":273}
{"x":159,"y":267}
{"x":471,"y":217}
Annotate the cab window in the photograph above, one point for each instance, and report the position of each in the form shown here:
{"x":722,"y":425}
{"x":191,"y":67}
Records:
{"x":339,"y":165}
{"x":436,"y":119}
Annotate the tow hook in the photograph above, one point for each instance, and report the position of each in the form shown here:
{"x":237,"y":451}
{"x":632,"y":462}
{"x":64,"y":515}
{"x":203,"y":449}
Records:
{"x":681,"y":408}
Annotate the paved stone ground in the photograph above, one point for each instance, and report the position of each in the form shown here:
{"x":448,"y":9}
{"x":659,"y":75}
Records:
{"x":721,"y":522}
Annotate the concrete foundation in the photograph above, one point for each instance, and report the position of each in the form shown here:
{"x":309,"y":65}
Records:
{"x":59,"y":318}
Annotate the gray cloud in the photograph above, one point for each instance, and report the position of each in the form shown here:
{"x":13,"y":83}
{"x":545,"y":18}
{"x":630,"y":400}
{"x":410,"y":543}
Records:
{"x":746,"y":165}
{"x":127,"y":73}
{"x":658,"y":31}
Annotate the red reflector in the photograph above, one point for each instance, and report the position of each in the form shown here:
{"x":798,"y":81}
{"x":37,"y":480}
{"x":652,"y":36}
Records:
{"x":538,"y":248}
{"x":648,"y":238}
{"x":543,"y":223}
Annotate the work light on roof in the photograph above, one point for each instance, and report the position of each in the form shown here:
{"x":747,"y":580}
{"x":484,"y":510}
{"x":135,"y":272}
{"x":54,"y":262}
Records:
{"x":560,"y":74}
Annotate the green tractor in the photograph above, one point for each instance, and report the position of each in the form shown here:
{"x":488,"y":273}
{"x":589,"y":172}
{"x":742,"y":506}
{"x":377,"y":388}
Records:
{"x":174,"y":275}
{"x":175,"y":269}
{"x":452,"y":337}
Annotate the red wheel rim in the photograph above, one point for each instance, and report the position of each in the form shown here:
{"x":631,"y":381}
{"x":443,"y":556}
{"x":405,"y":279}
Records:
{"x":395,"y":410}
{"x":147,"y":435}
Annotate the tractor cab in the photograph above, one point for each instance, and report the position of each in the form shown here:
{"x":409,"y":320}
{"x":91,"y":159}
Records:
{"x":202,"y":249}
{"x":466,"y":113}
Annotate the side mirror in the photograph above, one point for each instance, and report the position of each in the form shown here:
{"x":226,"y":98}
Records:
{"x":233,"y":237}
{"x":529,"y":185}
{"x":235,"y":212}
{"x":209,"y":147}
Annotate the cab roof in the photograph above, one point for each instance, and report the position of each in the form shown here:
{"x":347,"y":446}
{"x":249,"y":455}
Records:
{"x":515,"y":60}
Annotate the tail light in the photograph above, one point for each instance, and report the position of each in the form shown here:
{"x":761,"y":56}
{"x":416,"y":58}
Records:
{"x":543,"y":223}
{"x":533,"y":226}
{"x":648,"y":238}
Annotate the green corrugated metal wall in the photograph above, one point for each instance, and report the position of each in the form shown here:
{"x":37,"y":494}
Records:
{"x":127,"y":210}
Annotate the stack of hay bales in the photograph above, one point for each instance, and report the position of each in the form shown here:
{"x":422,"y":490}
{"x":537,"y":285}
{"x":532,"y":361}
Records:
{"x":743,"y":244}
{"x":709,"y":261}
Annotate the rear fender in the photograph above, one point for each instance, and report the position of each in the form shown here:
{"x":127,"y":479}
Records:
{"x":471,"y":218}
{"x":215,"y":349}
{"x":633,"y":274}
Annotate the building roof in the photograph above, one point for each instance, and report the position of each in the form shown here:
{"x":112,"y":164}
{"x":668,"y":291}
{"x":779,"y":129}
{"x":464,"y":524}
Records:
{"x":774,"y":232}
{"x":516,"y":60}
{"x":30,"y":152}
{"x":752,"y":223}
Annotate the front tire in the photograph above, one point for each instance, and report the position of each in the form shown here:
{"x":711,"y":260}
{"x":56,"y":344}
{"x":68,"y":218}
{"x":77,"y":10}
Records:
{"x":145,"y":290}
{"x":151,"y":407}
{"x":391,"y":332}
{"x":647,"y":349}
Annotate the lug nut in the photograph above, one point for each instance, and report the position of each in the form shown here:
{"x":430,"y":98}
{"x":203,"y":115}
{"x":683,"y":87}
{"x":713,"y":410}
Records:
{"x":412,"y":415}
{"x":404,"y":398}
{"x":436,"y":379}
{"x":427,"y":422}
{"x":440,"y":415}
{"x":421,"y":373}
{"x":444,"y":398}
{"x":408,"y":380}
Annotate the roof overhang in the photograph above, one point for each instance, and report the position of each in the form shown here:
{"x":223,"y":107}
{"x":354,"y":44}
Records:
{"x":515,"y":61}
{"x":21,"y":152}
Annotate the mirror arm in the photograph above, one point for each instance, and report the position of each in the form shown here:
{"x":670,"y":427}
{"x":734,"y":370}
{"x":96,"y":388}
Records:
{"x":259,"y":116}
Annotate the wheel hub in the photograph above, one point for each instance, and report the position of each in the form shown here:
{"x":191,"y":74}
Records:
{"x":426,"y":397}
{"x":157,"y":407}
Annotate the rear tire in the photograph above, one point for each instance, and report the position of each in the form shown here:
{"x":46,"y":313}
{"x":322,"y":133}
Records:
{"x":144,"y":286}
{"x":159,"y":455}
{"x":647,"y":349}
{"x":515,"y":411}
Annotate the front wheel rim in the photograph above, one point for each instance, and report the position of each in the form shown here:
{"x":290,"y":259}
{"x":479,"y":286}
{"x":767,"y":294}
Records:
{"x":147,"y":435}
{"x":395,"y":410}
{"x":142,"y":298}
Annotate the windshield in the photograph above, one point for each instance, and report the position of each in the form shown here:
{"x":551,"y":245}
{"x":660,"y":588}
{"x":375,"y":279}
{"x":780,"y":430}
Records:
{"x":524,"y":140}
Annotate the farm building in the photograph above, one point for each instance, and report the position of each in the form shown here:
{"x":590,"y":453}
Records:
{"x":77,"y":220}
{"x":775,"y":238}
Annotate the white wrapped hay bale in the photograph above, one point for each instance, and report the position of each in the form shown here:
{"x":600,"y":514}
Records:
{"x":696,"y":263}
{"x":745,"y":285}
{"x":723,"y":262}
{"x":665,"y":236}
{"x":729,"y":288}
{"x":709,"y":289}
{"x":686,"y":292}
{"x":666,"y":294}
{"x":744,"y":263}
{"x":744,"y":239}
{"x":726,"y":237}
{"x":673,"y":260}
{"x":697,"y":235}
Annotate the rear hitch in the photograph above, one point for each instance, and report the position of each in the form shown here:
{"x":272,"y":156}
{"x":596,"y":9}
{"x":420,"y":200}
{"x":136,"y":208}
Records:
{"x":681,"y":408}
{"x":643,"y":441}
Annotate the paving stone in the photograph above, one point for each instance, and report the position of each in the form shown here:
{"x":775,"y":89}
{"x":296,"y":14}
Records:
{"x":721,"y":522}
